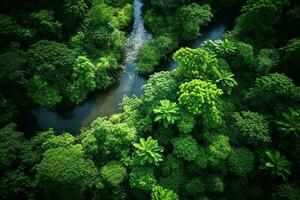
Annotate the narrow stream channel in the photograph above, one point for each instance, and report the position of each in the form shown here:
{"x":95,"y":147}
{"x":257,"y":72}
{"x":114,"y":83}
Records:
{"x":107,"y":103}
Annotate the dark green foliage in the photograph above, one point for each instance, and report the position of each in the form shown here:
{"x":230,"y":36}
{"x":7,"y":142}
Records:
{"x":186,"y":122}
{"x":215,"y":184}
{"x":273,"y":88}
{"x":290,"y":124}
{"x":218,"y":150}
{"x":275,"y":164}
{"x":185,"y":147}
{"x":251,"y":128}
{"x":286,"y":191}
{"x":241,"y":161}
{"x":142,"y":177}
{"x":63,"y":168}
{"x":195,"y":187}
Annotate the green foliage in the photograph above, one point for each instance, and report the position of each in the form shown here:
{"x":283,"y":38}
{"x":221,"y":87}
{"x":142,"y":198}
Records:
{"x":218,"y":150}
{"x":258,"y":19}
{"x":148,"y":151}
{"x":14,"y":183}
{"x":290,"y":55}
{"x":185,"y":147}
{"x":64,"y":140}
{"x":241,"y":161}
{"x":222,"y":48}
{"x":290,"y":124}
{"x":251,"y":128}
{"x":142,"y":177}
{"x":160,"y":193}
{"x":192,"y":17}
{"x":267,"y":59}
{"x":186,"y":122}
{"x":152,"y":52}
{"x":215,"y":184}
{"x":201,"y":98}
{"x":167,"y":112}
{"x":65,"y":167}
{"x":159,"y":86}
{"x":111,"y":138}
{"x":195,"y":187}
{"x":43,"y":93}
{"x":83,"y":79}
{"x":7,"y":111}
{"x":286,"y":191}
{"x":275,"y":164}
{"x":270,"y":89}
{"x":244,"y":56}
{"x":10,"y":145}
{"x":225,"y":81}
{"x":114,"y":173}
{"x":44,"y":21}
{"x":195,"y":64}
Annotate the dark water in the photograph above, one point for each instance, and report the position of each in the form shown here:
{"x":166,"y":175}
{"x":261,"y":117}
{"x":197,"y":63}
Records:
{"x":107,"y":103}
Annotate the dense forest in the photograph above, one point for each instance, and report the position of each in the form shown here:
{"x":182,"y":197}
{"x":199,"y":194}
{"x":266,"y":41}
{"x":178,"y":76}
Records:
{"x":223,"y":124}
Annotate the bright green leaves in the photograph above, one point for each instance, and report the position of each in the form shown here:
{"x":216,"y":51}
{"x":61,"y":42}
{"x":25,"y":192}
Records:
{"x":148,"y":151}
{"x":275,"y":164}
{"x":83,"y":79}
{"x":195,"y":64}
{"x":219,"y":149}
{"x":160,"y":193}
{"x":114,"y":173}
{"x":290,"y":124}
{"x":226,"y":81}
{"x":167,"y":112}
{"x":222,"y":48}
{"x":201,"y":98}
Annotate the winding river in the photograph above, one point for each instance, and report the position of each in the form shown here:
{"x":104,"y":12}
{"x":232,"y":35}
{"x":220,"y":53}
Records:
{"x":107,"y":103}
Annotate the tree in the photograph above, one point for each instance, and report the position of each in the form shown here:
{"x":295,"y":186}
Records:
{"x":185,"y":147}
{"x":286,"y":191}
{"x":266,"y":60}
{"x":160,"y":193}
{"x":44,"y":21}
{"x":159,"y":86}
{"x":219,"y":149}
{"x":201,"y":98}
{"x":241,"y":161}
{"x":142,"y":177}
{"x":192,"y":17}
{"x":114,"y":173}
{"x":195,"y":187}
{"x":273,"y":88}
{"x":290,"y":124}
{"x":167,"y":112}
{"x":251,"y":128}
{"x":74,"y":11}
{"x":43,"y":93}
{"x":10,"y":144}
{"x":195,"y":64}
{"x":83,"y":79}
{"x":65,"y":172}
{"x":148,"y":151}
{"x":225,"y":81}
{"x":275,"y":164}
{"x":258,"y":19}
{"x":186,"y":122}
{"x":222,"y":48}
{"x":64,"y":140}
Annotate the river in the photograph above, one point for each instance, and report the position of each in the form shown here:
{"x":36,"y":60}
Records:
{"x":130,"y":83}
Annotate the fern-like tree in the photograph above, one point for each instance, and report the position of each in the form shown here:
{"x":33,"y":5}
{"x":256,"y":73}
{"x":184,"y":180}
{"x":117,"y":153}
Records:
{"x":148,"y":151}
{"x":160,"y":193}
{"x":225,"y":81}
{"x":222,"y":48}
{"x":167,"y":112}
{"x":275,"y":164}
{"x":290,"y":124}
